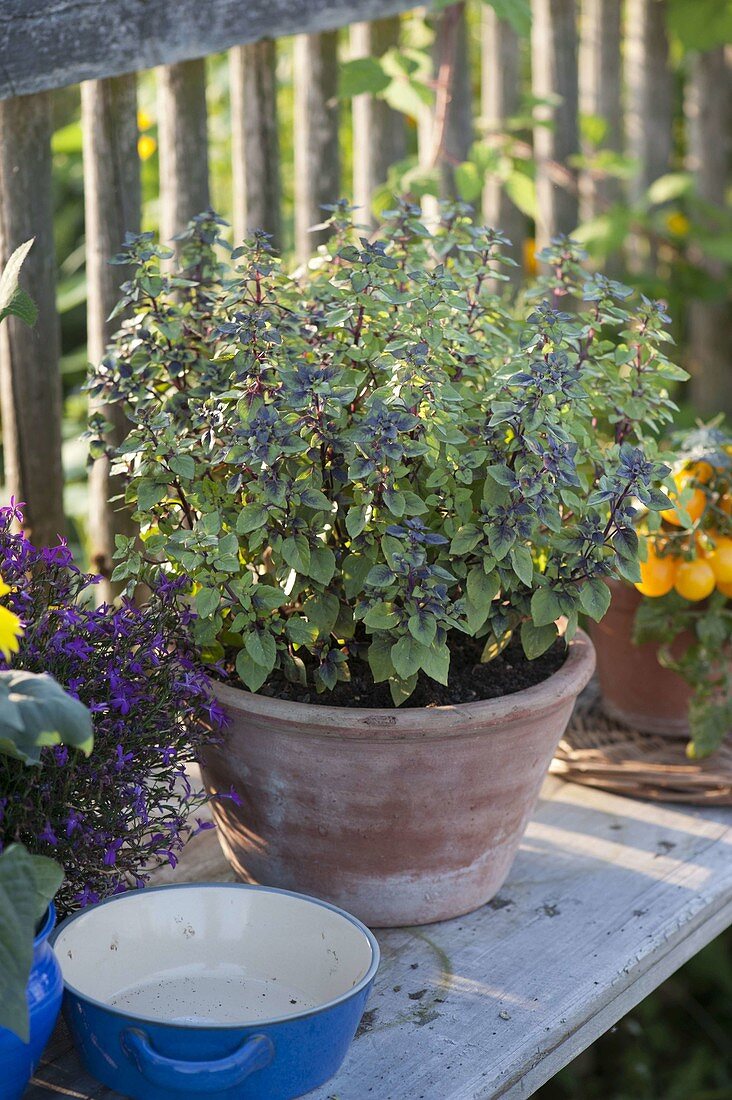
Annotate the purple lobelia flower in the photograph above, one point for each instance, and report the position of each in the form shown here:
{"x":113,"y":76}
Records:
{"x":111,"y":817}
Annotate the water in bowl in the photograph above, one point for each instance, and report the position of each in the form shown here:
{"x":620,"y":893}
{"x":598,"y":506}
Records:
{"x":226,"y":997}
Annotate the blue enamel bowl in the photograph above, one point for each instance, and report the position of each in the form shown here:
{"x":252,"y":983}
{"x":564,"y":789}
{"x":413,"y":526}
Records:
{"x":233,"y":990}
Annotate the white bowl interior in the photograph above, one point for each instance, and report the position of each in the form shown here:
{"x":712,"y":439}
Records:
{"x":212,"y":955}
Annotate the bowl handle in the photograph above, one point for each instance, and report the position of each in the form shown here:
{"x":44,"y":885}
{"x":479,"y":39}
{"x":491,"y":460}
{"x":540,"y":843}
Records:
{"x":255,"y":1053}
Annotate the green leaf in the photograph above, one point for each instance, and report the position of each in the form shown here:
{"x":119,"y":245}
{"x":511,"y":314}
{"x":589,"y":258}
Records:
{"x":356,"y":520}
{"x":394,"y":501}
{"x":260,"y":645}
{"x":701,"y":24}
{"x":537,"y":639}
{"x":379,"y":658}
{"x":522,"y":564}
{"x":361,"y":75}
{"x":545,"y":607}
{"x":380,"y":576}
{"x":13,"y":300}
{"x":267,"y":597}
{"x":23,"y":307}
{"x":27,"y":885}
{"x":322,"y":564}
{"x":323,"y":610}
{"x":207,"y":602}
{"x":313,"y":498}
{"x":36,"y":711}
{"x":406,"y":656}
{"x":300,"y":631}
{"x":482,"y":587}
{"x":183,"y":466}
{"x":296,"y":552}
{"x":515,"y":12}
{"x":402,"y":689}
{"x":521,"y":190}
{"x":150,"y":493}
{"x":355,"y":568}
{"x":657,"y":500}
{"x":594,"y":598}
{"x":381,"y":617}
{"x":251,"y":673}
{"x":251,"y":517}
{"x":468,"y":180}
{"x":500,"y":539}
{"x":672,"y":185}
{"x":465,"y":539}
{"x":436,"y":662}
{"x":423,"y":627}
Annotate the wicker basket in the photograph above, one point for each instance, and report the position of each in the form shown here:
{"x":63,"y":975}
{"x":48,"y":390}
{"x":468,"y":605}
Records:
{"x":600,"y":752}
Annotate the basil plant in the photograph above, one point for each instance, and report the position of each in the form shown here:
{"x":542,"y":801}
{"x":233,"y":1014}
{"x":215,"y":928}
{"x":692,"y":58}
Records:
{"x":370,"y":457}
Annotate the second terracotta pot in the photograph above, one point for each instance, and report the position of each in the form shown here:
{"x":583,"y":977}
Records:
{"x":399,"y":816}
{"x":636,"y":689}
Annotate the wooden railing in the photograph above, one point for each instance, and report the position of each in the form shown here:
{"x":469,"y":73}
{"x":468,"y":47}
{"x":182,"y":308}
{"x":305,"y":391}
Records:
{"x":48,"y":44}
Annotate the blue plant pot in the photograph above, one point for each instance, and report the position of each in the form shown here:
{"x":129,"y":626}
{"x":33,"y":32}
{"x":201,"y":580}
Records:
{"x":18,"y":1061}
{"x":239,"y":992}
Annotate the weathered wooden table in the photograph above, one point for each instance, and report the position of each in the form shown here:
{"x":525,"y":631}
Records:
{"x":606,"y":899}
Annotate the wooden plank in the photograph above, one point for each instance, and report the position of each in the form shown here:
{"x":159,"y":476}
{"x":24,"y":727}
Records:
{"x":607,"y":898}
{"x":30,"y":380}
{"x":51,"y":43}
{"x":379,"y":132}
{"x":600,"y":88}
{"x":446,"y":131}
{"x":255,"y":150}
{"x":111,"y":209}
{"x":708,"y":116}
{"x":500,"y":99}
{"x":317,"y":154}
{"x":554,"y":73}
{"x":183,"y":144}
{"x":454,"y":98}
{"x":649,"y":102}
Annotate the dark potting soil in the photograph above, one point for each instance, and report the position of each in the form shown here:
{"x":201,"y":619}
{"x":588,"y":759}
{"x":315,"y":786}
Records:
{"x":469,"y":680}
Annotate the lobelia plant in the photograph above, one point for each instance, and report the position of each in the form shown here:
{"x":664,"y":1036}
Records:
{"x":34,"y":712}
{"x":108,"y":818}
{"x":371,"y":458}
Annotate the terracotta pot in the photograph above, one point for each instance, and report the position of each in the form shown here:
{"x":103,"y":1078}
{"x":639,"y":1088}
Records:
{"x":636,"y":689}
{"x":399,"y":816}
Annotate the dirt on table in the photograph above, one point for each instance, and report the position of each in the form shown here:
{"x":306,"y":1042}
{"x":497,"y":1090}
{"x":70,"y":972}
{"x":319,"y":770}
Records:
{"x":469,"y":680}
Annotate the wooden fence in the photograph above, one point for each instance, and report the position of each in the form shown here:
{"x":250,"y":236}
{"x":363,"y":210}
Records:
{"x":48,"y":44}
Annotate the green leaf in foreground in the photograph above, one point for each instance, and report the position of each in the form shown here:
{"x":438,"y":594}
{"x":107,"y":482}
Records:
{"x":27,"y":885}
{"x":36,"y":711}
{"x":13,"y":300}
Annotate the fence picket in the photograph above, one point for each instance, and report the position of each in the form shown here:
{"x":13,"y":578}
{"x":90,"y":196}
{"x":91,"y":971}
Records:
{"x":111,"y":208}
{"x":500,"y":99}
{"x":600,"y":90}
{"x":183,"y":143}
{"x":317,"y":153}
{"x":379,"y":136}
{"x":649,"y":110}
{"x":708,"y":121}
{"x":30,"y":381}
{"x":255,"y":146}
{"x":554,"y":73}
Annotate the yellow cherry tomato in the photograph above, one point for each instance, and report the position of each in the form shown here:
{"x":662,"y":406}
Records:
{"x":700,"y":471}
{"x":725,"y":588}
{"x":695,"y":505}
{"x":720,"y":559}
{"x":694,"y":580}
{"x":657,"y":575}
